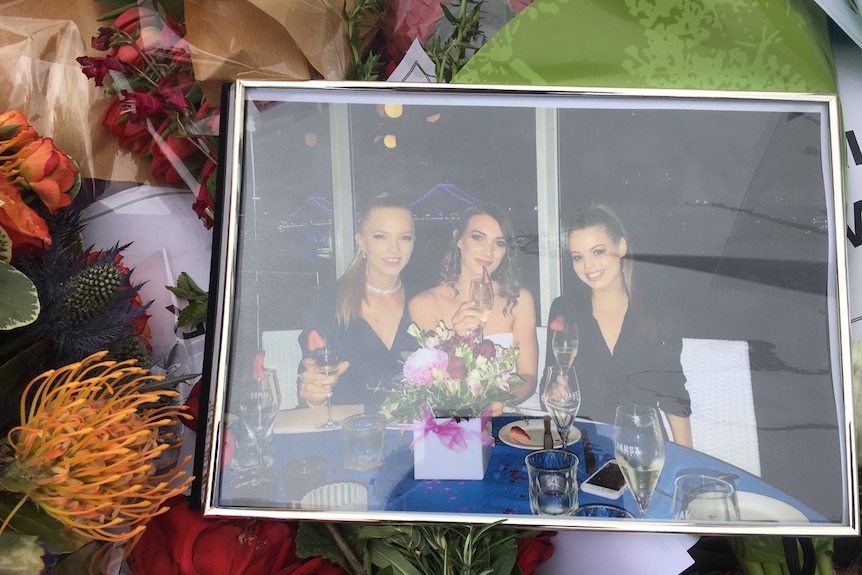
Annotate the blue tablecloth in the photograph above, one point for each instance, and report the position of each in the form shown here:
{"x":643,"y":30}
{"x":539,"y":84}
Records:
{"x":503,"y":490}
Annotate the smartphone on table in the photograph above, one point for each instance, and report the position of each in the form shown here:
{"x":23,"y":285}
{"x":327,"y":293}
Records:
{"x":607,"y":481}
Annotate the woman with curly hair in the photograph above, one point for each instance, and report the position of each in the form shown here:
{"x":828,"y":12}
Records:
{"x":484,"y":243}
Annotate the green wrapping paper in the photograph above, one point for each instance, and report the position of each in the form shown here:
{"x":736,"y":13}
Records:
{"x":771,"y":45}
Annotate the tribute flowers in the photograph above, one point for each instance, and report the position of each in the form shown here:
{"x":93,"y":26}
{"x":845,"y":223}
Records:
{"x":88,"y":447}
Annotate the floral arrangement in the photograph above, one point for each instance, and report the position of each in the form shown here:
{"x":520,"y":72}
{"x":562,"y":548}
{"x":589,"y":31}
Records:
{"x":156,"y":109}
{"x":454,"y":376}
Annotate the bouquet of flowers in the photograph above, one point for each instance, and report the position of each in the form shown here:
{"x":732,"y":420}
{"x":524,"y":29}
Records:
{"x":453,"y":376}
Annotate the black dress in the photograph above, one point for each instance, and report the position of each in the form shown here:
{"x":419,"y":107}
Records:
{"x":644,"y":367}
{"x":373,"y":366}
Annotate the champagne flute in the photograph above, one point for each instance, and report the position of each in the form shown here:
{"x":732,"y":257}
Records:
{"x":482,"y":296}
{"x":326,"y":359}
{"x":564,"y":342}
{"x":639,"y":449}
{"x":258,"y":407}
{"x":562,"y":398}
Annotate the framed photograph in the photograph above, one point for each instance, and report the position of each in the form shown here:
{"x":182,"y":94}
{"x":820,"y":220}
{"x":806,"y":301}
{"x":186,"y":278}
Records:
{"x":560,"y":308}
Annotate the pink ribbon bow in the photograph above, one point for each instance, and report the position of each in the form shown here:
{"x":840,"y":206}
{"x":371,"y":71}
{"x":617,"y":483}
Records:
{"x":451,"y":435}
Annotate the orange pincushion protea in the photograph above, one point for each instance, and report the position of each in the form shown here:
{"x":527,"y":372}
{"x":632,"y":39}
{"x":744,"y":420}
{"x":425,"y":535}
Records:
{"x":88,"y":446}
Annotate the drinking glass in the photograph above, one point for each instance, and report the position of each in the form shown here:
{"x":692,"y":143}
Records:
{"x":564,"y":343}
{"x":562,"y":398}
{"x":482,"y":296}
{"x":326,"y":359}
{"x":552,"y":475}
{"x":639,"y":449}
{"x":257,"y":405}
{"x":703,"y":497}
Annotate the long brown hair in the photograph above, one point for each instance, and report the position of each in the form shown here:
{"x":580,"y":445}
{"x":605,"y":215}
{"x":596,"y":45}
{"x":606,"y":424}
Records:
{"x":600,"y":215}
{"x":350,"y":287}
{"x":506,"y":275}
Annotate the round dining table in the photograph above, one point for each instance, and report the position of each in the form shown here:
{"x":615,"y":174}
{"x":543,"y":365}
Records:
{"x":504,"y":489}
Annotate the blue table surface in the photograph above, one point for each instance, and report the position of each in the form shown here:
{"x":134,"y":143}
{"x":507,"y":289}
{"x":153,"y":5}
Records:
{"x":504,"y":489}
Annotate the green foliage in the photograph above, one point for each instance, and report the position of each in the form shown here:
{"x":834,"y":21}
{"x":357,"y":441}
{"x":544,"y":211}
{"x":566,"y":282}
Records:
{"x":34,"y":522}
{"x":451,"y":53}
{"x":361,"y":30}
{"x":417,"y":549}
{"x":196,"y":311}
{"x":19,"y":300}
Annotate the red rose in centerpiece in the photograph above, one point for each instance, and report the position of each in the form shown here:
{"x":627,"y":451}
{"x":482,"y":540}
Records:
{"x":487,"y":349}
{"x":559,"y":324}
{"x":457,"y":368}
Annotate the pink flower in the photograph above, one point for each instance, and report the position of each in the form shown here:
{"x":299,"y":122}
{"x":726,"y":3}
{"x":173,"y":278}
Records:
{"x":420,"y":366}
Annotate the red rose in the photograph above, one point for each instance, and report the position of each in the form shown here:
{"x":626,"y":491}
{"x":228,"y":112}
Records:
{"x":184,"y":542}
{"x":559,"y":324}
{"x":486,"y":348}
{"x":534,"y":551}
{"x":456,"y":368}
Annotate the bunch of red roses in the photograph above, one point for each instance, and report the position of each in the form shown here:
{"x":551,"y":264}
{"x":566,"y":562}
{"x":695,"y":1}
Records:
{"x":157,"y":110}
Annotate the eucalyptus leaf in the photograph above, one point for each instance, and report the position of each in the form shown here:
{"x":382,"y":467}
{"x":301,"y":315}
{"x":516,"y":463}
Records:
{"x":5,"y":247}
{"x":383,"y":555}
{"x":19,"y":300}
{"x":20,"y":554}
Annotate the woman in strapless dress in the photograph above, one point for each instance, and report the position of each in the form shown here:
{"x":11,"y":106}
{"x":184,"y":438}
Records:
{"x":484,"y":246}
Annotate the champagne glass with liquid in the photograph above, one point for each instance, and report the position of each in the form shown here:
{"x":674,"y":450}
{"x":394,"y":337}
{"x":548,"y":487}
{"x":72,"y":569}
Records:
{"x":639,"y":449}
{"x":482,"y":296}
{"x":326,"y":359}
{"x":562,"y":398}
{"x":564,"y":343}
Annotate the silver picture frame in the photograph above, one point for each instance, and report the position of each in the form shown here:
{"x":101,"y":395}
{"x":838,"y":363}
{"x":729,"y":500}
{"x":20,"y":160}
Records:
{"x":734,"y":201}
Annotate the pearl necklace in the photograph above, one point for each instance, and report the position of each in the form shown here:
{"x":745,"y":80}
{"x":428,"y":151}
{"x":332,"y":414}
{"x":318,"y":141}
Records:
{"x":371,"y":288}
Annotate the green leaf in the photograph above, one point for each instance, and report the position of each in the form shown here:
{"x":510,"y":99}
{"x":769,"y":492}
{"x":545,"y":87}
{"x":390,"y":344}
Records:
{"x":313,"y":540}
{"x":20,"y":554}
{"x":19,"y":301}
{"x":5,"y":247}
{"x":384,"y":556}
{"x":31,"y":520}
{"x":192,"y":314}
{"x":186,"y":288}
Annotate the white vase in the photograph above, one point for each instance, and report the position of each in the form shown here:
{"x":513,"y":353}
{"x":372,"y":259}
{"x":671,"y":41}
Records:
{"x":439,"y":457}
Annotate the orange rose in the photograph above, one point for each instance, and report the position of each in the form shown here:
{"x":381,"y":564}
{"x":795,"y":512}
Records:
{"x":15,"y":132}
{"x":24,"y":226}
{"x":47,"y":171}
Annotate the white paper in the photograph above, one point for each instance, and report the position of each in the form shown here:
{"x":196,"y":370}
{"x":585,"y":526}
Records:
{"x":167,"y":238}
{"x":578,"y":552}
{"x":848,"y":63}
{"x":416,"y":66}
{"x":845,"y":13}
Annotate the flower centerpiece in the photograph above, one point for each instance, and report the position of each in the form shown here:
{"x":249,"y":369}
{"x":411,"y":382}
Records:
{"x":447,"y":393}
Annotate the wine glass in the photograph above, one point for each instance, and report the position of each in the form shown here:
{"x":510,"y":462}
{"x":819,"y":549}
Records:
{"x":564,"y":342}
{"x":258,"y":406}
{"x":482,"y":296}
{"x":562,"y":398}
{"x":326,"y":360}
{"x":639,"y":449}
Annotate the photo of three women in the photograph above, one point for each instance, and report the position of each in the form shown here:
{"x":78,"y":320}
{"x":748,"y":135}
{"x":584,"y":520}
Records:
{"x":624,"y":356}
